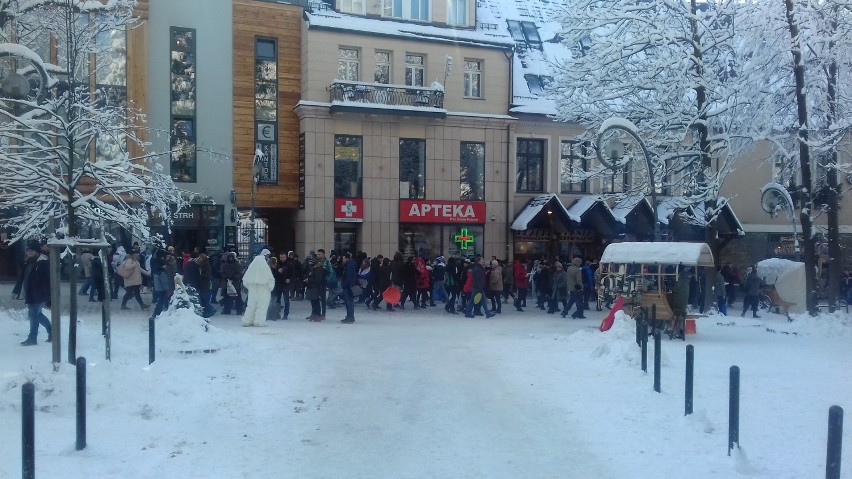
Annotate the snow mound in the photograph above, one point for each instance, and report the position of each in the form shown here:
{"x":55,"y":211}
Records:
{"x":182,"y":330}
{"x":616,"y":347}
{"x":826,"y":325}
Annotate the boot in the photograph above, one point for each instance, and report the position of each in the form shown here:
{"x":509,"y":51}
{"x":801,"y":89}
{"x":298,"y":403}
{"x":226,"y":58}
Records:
{"x":754,"y":315}
{"x":49,"y":338}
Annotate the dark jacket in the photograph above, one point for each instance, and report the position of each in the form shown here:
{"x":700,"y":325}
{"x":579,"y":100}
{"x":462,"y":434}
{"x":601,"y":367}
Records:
{"x":375,"y":275}
{"x":232,"y":270}
{"x":751,"y":286}
{"x":34,"y":281}
{"x":315,"y":281}
{"x":397,"y":270}
{"x":478,"y":279}
{"x":350,"y":274}
{"x":680,"y":295}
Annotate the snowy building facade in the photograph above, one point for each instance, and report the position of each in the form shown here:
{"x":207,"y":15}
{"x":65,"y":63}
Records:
{"x":416,"y":126}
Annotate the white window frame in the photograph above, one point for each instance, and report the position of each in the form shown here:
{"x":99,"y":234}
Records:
{"x":413,"y":68}
{"x":457,"y":12}
{"x":358,"y":7}
{"x":388,"y":10}
{"x":470,"y":74}
{"x":388,"y":64}
{"x":348,"y":62}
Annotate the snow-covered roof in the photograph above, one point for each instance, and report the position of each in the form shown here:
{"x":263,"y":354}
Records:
{"x":532,"y":26}
{"x":583,"y":205}
{"x":331,"y":20}
{"x":533,"y":208}
{"x":623,"y":207}
{"x":688,"y":254}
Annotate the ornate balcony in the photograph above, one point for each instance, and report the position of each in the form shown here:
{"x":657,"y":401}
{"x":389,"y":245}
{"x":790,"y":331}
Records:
{"x":386,"y":99}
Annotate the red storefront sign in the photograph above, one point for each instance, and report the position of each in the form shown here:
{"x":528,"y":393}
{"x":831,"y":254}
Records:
{"x":349,"y":210}
{"x":437,"y":211}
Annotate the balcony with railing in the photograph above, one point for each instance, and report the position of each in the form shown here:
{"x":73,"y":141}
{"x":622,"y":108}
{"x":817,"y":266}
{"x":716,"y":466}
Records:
{"x":387,"y":99}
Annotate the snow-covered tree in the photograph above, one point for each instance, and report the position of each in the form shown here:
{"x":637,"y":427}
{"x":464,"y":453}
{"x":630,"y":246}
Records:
{"x":809,"y":120}
{"x":67,"y":132}
{"x":677,"y":71}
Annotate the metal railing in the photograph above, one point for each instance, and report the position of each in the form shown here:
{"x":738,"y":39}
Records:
{"x":380,"y":94}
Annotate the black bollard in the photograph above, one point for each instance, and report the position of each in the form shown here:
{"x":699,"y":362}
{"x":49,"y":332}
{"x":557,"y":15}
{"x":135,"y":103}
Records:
{"x":835,"y":442}
{"x":657,"y":359}
{"x":28,"y":431}
{"x":690,"y":369}
{"x":734,"y":409}
{"x":644,"y":339}
{"x":653,"y":317}
{"x":638,"y":330}
{"x":151,"y":336}
{"x":81,"y":403}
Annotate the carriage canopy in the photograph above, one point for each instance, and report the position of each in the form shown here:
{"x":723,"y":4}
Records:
{"x":687,"y":254}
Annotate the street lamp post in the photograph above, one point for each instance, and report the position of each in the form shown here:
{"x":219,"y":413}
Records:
{"x":774,"y":198}
{"x":615,"y":151}
{"x":255,"y":178}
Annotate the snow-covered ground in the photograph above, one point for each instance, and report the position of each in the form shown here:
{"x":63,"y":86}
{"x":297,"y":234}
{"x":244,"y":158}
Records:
{"x":425,"y":394}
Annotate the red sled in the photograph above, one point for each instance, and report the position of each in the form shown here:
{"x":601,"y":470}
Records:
{"x":610,"y":318}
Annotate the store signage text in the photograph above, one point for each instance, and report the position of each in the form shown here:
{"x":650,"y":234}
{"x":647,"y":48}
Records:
{"x":579,"y":236}
{"x":424,"y":211}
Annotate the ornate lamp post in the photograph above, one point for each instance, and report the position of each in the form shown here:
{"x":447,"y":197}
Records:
{"x":255,"y":178}
{"x":774,"y":198}
{"x":615,"y":151}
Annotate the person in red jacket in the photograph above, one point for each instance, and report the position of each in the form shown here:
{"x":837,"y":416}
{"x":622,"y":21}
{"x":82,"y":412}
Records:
{"x":422,"y":283}
{"x":522,"y":282}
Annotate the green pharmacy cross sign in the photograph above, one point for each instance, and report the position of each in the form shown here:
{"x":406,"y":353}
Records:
{"x":464,"y":239}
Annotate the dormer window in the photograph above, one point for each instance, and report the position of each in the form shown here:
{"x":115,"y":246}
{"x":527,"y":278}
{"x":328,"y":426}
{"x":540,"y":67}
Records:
{"x":524,"y":33}
{"x":531,"y":33}
{"x":537,"y":83}
{"x":417,"y":10}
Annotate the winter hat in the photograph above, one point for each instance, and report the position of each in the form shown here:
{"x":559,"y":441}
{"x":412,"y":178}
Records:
{"x":33,"y":245}
{"x":439,"y":259}
{"x":265,"y":252}
{"x":557,"y":265}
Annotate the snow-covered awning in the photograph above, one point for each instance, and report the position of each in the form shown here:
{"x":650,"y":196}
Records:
{"x":688,"y":254}
{"x":727,"y":224}
{"x":593,"y":212}
{"x":538,"y":209}
{"x":637,"y":214}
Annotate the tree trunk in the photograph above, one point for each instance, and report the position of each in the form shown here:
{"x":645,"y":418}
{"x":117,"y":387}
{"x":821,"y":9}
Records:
{"x":832,"y":191}
{"x":805,"y":191}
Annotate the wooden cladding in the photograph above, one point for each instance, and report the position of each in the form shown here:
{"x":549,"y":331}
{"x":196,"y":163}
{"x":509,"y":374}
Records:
{"x":253,"y":20}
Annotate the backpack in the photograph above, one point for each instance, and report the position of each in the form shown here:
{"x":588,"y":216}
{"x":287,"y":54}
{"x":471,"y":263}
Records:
{"x":330,"y":277}
{"x":449,"y":279}
{"x":123,"y":271}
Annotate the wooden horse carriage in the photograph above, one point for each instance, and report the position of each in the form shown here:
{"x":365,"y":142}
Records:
{"x":649,"y":275}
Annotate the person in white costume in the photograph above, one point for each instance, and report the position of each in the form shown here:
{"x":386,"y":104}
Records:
{"x":259,"y":281}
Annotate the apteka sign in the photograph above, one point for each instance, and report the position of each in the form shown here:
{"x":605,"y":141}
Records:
{"x":437,"y":211}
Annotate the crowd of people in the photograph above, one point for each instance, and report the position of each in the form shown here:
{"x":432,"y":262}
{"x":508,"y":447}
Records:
{"x":470,"y":286}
